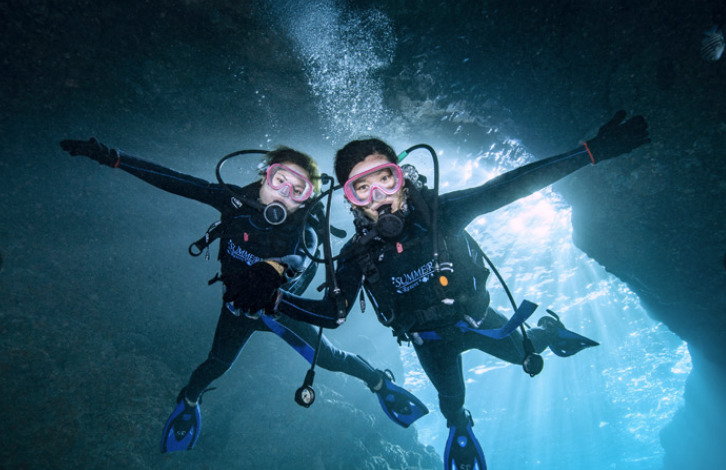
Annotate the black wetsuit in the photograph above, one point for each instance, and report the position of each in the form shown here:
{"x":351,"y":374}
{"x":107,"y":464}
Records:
{"x":398,"y":276}
{"x":246,"y":238}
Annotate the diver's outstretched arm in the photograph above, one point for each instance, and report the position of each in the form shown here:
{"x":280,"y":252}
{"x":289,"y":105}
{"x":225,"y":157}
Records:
{"x":161,"y":177}
{"x":615,"y":138}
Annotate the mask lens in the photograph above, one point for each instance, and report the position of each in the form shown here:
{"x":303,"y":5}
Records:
{"x":289,"y":183}
{"x":374,"y":184}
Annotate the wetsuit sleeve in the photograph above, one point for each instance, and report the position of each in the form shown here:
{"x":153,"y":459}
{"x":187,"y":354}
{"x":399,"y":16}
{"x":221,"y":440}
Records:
{"x":323,"y":312}
{"x":459,"y":208}
{"x":174,"y":182}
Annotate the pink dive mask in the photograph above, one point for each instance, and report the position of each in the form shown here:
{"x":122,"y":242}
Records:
{"x":374,"y":185}
{"x":289,"y":183}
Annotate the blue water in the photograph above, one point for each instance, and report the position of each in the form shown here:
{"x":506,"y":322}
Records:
{"x":602,"y":409}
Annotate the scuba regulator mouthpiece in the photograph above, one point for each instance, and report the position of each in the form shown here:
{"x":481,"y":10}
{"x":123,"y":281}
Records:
{"x":390,"y":224}
{"x":274,"y":213}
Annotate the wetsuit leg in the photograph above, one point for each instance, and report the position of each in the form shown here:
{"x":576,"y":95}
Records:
{"x":511,"y":348}
{"x":540,"y":338}
{"x":230,"y":337}
{"x":303,"y":337}
{"x":441,"y":360}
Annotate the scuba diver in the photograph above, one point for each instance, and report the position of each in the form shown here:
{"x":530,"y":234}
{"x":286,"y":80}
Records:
{"x":262,"y":236}
{"x":426,"y":276}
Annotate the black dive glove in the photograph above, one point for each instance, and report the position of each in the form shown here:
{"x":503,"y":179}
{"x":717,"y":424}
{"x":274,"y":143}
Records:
{"x":617,"y":137}
{"x":92,"y":149}
{"x":254,"y":289}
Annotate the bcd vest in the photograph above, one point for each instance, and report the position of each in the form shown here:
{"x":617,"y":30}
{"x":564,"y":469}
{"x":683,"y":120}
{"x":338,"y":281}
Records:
{"x":246,"y":238}
{"x":401,"y":280}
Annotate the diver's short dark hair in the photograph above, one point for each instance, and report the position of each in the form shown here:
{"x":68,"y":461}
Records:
{"x":284,"y":154}
{"x":356,"y":151}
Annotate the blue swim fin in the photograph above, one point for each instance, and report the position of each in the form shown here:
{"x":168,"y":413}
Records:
{"x":182,"y":428}
{"x":462,"y":448}
{"x":399,"y":404}
{"x":565,"y":342}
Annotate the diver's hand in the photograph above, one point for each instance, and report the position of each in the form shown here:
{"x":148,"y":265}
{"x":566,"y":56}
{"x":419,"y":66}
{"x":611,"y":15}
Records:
{"x":92,"y":149}
{"x":618,"y":137}
{"x":256,"y":288}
